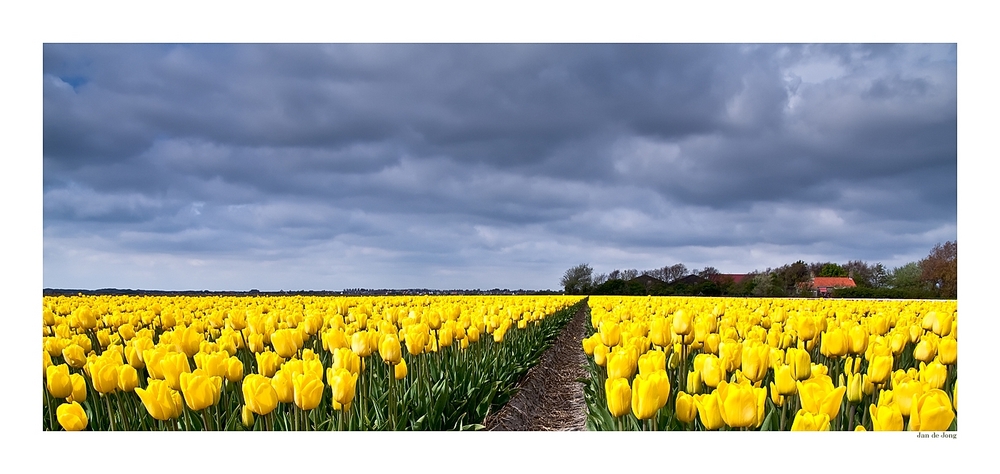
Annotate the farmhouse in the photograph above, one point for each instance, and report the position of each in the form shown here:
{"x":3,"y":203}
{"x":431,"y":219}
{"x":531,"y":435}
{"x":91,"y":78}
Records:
{"x":824,"y":286}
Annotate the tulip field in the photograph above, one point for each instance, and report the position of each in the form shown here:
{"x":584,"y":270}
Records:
{"x":703,"y":364}
{"x":290,"y":362}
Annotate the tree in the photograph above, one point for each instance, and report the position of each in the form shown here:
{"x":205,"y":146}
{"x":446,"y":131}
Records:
{"x":905,"y":277}
{"x":630,"y":274}
{"x":578,"y":280}
{"x":832,"y":270}
{"x":674,"y":272}
{"x":707,"y":272}
{"x":879,"y":276}
{"x":940,"y":269}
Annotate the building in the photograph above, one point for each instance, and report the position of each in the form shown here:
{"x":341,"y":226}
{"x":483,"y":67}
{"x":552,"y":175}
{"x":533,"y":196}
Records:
{"x":824,"y":286}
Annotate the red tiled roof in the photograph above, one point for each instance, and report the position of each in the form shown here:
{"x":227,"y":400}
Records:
{"x":833,"y":282}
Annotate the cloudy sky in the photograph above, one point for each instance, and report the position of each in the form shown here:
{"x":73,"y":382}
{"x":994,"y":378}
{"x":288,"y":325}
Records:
{"x":331,"y":166}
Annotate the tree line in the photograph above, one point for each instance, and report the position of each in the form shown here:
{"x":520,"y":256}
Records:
{"x":935,"y":276}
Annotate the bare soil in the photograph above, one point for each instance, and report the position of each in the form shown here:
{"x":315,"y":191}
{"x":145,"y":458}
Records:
{"x":550,"y":397}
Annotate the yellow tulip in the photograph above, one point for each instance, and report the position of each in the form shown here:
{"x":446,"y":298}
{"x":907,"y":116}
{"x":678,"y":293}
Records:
{"x":268,"y":363}
{"x":128,"y":378}
{"x":104,"y":376}
{"x":741,"y":404}
{"x":934,"y":374}
{"x":925,"y":351}
{"x":855,"y":387}
{"x":784,"y":381}
{"x":931,"y":412}
{"x":71,"y":416}
{"x":694,"y":383}
{"x":948,"y":350}
{"x":58,"y":382}
{"x":234,"y":369}
{"x":214,"y":363}
{"x":712,"y":371}
{"x":346,"y":359}
{"x":886,"y":417}
{"x":682,"y":323}
{"x":400,"y":369}
{"x":610,"y":333}
{"x":818,"y":395}
{"x":417,"y":336}
{"x":731,"y":355}
{"x":284,"y":343}
{"x":806,"y":421}
{"x":246,"y":415}
{"x":75,"y":356}
{"x":880,"y":368}
{"x":685,"y":408}
{"x":361,"y":344}
{"x":906,"y":394}
{"x":652,"y":361}
{"x":258,"y":394}
{"x":709,"y":410}
{"x":390,"y":350}
{"x":619,"y":396}
{"x":755,"y":361}
{"x":342,"y":384}
{"x":282,"y":383}
{"x":161,"y":401}
{"x":601,"y":355}
{"x":308,"y":391}
{"x":834,"y":343}
{"x":857,"y":339}
{"x":589,"y":343}
{"x":649,"y":394}
{"x":79,"y":389}
{"x":200,"y":389}
{"x":173,"y":365}
{"x":621,"y":363}
{"x":800,"y":363}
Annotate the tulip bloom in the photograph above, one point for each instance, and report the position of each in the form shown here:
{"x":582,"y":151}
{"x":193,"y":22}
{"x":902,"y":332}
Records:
{"x":709,"y":410}
{"x":857,"y":339}
{"x":161,"y":401}
{"x":601,"y":355}
{"x":619,"y":396}
{"x":712,"y":372}
{"x":621,"y":364}
{"x":79,"y":389}
{"x":71,"y":416}
{"x":931,"y":412}
{"x":685,"y":408}
{"x":805,"y":421}
{"x":818,"y":395}
{"x":417,"y":336}
{"x":390,"y":350}
{"x":343,"y":384}
{"x":246,"y":415}
{"x":800,"y":363}
{"x":649,"y":394}
{"x":346,"y":359}
{"x":234,"y":369}
{"x":925,"y":350}
{"x":399,"y":371}
{"x":75,"y":356}
{"x":784,"y":381}
{"x":652,"y":361}
{"x":886,"y":417}
{"x":906,"y":393}
{"x":933,"y":374}
{"x":173,"y":365}
{"x":268,"y":363}
{"x":259,"y":395}
{"x":200,"y":389}
{"x":283,"y":341}
{"x":610,"y":333}
{"x":282,"y":383}
{"x":361,"y":344}
{"x":741,"y":404}
{"x":755,"y":361}
{"x":308,"y":391}
{"x":948,"y":350}
{"x":128,"y":378}
{"x":682,"y":323}
{"x":57,"y":381}
{"x":833,"y":343}
{"x":879,"y":369}
{"x":104,"y":376}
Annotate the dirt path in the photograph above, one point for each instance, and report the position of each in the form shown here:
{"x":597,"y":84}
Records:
{"x":550,"y":398}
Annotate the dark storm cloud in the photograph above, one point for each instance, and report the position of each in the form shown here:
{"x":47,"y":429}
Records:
{"x":442,"y":161}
